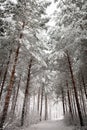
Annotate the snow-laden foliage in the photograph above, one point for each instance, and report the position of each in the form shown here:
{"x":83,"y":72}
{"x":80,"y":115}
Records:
{"x":42,"y":60}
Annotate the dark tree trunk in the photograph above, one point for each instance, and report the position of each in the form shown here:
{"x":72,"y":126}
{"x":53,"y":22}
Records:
{"x":83,"y":102}
{"x":38,"y":100}
{"x":41,"y":102}
{"x":34,"y":102}
{"x":69,"y":101}
{"x":5,"y":74}
{"x":46,"y":108}
{"x":65,"y":104}
{"x":75,"y":90}
{"x":8,"y":95}
{"x":62,"y":92}
{"x":84,"y":85}
{"x":26,"y":93}
{"x":15,"y":99}
{"x":1,"y":74}
{"x":74,"y":106}
{"x":1,"y":69}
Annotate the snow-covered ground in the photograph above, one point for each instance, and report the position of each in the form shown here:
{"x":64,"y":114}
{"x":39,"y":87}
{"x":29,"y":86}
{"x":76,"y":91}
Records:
{"x":50,"y":125}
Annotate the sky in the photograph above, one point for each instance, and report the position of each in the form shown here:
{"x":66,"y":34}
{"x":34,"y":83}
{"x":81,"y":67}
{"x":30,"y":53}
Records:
{"x":50,"y":10}
{"x":50,"y":13}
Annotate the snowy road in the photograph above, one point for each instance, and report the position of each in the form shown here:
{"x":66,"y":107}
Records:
{"x":50,"y":125}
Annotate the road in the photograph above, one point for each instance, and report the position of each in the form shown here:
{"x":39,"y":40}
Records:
{"x":50,"y":125}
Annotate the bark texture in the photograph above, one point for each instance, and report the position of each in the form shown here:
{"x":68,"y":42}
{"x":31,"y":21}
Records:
{"x":26,"y":93}
{"x":75,"y":90}
{"x":9,"y":91}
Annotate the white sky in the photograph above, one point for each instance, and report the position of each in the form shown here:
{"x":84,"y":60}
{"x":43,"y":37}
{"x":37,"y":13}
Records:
{"x":50,"y":10}
{"x":50,"y":13}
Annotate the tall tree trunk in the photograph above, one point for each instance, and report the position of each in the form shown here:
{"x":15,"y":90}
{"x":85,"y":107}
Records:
{"x":74,"y":105}
{"x":69,"y":101}
{"x":62,"y":92}
{"x":81,"y":105}
{"x":1,"y":74}
{"x":46,"y":107}
{"x":72,"y":102}
{"x":41,"y":102}
{"x":38,"y":100}
{"x":84,"y":85}
{"x":1,"y":69}
{"x":66,"y":109}
{"x":83,"y":102}
{"x":26,"y":93}
{"x":10,"y":86}
{"x":50,"y":111}
{"x":5,"y":74}
{"x":34,"y":103}
{"x":15,"y":100}
{"x":75,"y":90}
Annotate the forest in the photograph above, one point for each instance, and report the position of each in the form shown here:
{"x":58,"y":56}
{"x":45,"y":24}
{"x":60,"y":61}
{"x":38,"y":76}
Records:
{"x":43,"y":64}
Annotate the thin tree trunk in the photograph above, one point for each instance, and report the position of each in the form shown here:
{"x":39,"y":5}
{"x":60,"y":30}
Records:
{"x":69,"y":101}
{"x":84,"y":85}
{"x":75,"y":90}
{"x":62,"y":92}
{"x":15,"y":100}
{"x":72,"y":104}
{"x":1,"y":74}
{"x":1,"y":70}
{"x":26,"y":93}
{"x":41,"y":102}
{"x":5,"y":74}
{"x":83,"y":102}
{"x":81,"y":105}
{"x":46,"y":107}
{"x":8,"y":95}
{"x":75,"y":107}
{"x":65,"y":105}
{"x":34,"y":103}
{"x":38,"y":100}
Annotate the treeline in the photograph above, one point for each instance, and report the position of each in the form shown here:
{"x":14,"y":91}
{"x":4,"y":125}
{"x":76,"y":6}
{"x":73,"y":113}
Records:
{"x":20,"y":58}
{"x":68,"y":40}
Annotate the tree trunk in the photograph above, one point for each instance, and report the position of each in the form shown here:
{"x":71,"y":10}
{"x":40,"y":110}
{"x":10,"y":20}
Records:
{"x":62,"y":92}
{"x":8,"y":95}
{"x":72,"y":103}
{"x":34,"y":103}
{"x":66,"y":110}
{"x":75,"y":90}
{"x":1,"y":69}
{"x":38,"y":100}
{"x":75,"y":107}
{"x":83,"y":102}
{"x":84,"y":85}
{"x":15,"y":100}
{"x":26,"y":93}
{"x":69,"y":101}
{"x":41,"y":102}
{"x":46,"y":108}
{"x":5,"y":74}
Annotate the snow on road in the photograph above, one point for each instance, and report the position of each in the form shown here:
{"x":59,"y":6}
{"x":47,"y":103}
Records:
{"x":50,"y":125}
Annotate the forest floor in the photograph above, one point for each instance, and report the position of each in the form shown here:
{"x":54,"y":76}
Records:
{"x":50,"y":125}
